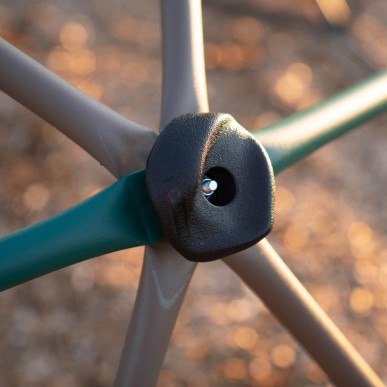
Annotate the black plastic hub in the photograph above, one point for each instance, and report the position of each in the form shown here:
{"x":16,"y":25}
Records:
{"x":240,"y":211}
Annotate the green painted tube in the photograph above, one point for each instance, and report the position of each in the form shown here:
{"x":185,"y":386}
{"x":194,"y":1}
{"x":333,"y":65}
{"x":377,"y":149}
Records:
{"x":295,"y":137}
{"x":119,"y":217}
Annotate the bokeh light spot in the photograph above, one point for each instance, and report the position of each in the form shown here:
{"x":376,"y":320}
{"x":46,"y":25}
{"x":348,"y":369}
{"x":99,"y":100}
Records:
{"x":73,"y":36}
{"x":283,"y":356}
{"x":235,"y":369}
{"x":361,"y":300}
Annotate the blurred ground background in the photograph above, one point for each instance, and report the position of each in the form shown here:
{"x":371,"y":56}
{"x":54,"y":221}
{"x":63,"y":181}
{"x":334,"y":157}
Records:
{"x":265,"y":60}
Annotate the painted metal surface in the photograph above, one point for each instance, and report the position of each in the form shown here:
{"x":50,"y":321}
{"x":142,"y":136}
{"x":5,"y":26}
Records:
{"x":164,"y":281}
{"x":116,"y":218}
{"x":297,"y":136}
{"x":119,"y":144}
{"x":165,"y":271}
{"x":264,"y":272}
{"x":184,"y":77}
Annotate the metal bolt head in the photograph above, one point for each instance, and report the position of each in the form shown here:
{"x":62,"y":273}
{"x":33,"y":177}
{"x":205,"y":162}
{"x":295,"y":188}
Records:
{"x":209,"y":186}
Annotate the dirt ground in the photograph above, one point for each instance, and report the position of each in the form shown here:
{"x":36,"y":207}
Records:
{"x":265,"y":60}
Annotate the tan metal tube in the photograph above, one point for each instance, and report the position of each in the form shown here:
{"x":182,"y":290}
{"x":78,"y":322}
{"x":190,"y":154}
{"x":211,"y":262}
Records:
{"x":262,"y":269}
{"x":119,"y":144}
{"x":166,"y":274}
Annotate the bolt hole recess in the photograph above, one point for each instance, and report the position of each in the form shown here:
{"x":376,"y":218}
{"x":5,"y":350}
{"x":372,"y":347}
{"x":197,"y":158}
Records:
{"x":226,"y":190}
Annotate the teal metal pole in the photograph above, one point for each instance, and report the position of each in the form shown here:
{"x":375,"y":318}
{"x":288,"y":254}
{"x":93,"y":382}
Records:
{"x":297,"y":136}
{"x":119,"y":217}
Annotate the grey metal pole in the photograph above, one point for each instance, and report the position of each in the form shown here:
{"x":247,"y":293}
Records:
{"x":164,"y":280}
{"x":166,"y":274}
{"x":262,"y":269}
{"x":184,"y":77}
{"x":121,"y":145}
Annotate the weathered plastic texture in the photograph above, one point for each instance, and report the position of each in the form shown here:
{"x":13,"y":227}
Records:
{"x":239,"y":214}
